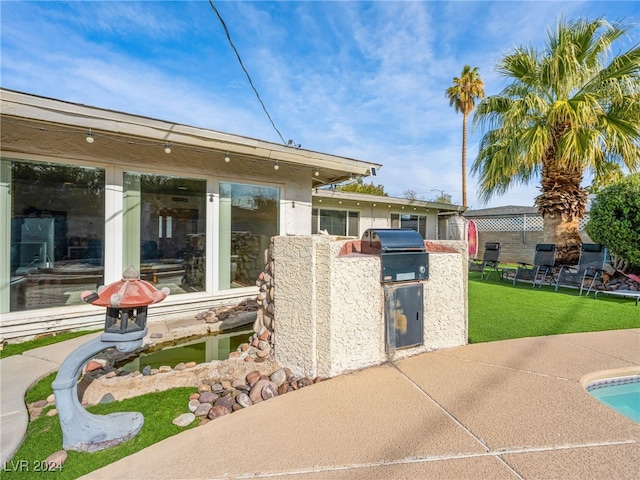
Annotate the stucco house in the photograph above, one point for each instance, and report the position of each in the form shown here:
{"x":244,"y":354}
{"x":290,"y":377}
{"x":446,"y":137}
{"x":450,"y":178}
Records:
{"x":87,"y":192}
{"x":350,"y":214}
{"x":91,"y":191}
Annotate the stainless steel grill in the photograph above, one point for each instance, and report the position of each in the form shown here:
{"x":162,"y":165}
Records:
{"x":403,"y":256}
{"x":404,"y":262}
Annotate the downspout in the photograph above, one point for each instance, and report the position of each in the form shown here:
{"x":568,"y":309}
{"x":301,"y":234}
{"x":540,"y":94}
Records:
{"x":524,"y":228}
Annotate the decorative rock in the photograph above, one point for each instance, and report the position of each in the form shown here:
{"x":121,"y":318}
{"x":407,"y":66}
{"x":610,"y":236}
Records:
{"x":179,"y":367}
{"x":56,"y":460}
{"x":278,"y":377}
{"x":124,"y":373}
{"x":51,"y":399}
{"x":284,"y":388}
{"x":243,"y":400}
{"x":265,"y":335}
{"x":94,"y":365}
{"x":155,"y":335}
{"x":262,"y":345}
{"x":217,"y":388}
{"x":262,"y":354}
{"x":208,"y":397}
{"x":269,"y":391}
{"x":40,"y":404}
{"x":225,"y":402}
{"x":190,"y":364}
{"x":107,"y":398}
{"x":256,"y":391}
{"x":237,"y":383}
{"x":184,"y":419}
{"x":204,"y":388}
{"x":193,"y":405}
{"x":203,"y":421}
{"x":146,"y":371}
{"x":164,"y":369}
{"x":226,"y":384}
{"x":52,"y":413}
{"x":111,"y":374}
{"x":136,"y":374}
{"x":236,"y":407}
{"x":218,"y":411}
{"x":194,"y":396}
{"x":154,"y":371}
{"x":202,"y":410}
{"x":305,"y":382}
{"x":235,"y":354}
{"x":253,"y":377}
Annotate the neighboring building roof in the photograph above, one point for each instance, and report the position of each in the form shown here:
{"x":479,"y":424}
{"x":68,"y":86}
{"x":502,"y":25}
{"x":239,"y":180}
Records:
{"x":508,"y":210}
{"x":47,"y":115}
{"x":396,"y":201}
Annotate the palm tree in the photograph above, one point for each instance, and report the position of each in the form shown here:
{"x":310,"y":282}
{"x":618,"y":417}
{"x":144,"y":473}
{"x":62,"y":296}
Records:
{"x":568,"y":110}
{"x":466,"y":89}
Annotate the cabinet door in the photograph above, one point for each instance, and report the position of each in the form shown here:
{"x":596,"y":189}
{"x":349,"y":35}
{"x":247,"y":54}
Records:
{"x":404,"y":308}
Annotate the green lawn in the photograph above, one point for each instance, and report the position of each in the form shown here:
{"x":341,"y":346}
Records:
{"x":498,"y":310}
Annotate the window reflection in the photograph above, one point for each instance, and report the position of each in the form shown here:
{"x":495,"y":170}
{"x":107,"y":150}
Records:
{"x":165,"y":225}
{"x":57,"y":234}
{"x":249,"y":217}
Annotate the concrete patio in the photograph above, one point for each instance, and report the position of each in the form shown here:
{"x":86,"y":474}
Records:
{"x":509,"y":409}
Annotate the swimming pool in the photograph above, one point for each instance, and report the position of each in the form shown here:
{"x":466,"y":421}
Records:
{"x":622,"y":394}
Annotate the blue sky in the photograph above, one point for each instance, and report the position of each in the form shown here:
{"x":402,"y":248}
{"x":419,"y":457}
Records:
{"x":360,"y":79}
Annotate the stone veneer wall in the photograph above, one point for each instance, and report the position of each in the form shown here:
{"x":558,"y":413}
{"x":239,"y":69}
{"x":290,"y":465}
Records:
{"x":329,"y":304}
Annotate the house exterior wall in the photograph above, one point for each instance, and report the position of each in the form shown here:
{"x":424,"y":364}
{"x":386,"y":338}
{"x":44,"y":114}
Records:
{"x":378,"y":214}
{"x":329,"y":306}
{"x":37,"y":130}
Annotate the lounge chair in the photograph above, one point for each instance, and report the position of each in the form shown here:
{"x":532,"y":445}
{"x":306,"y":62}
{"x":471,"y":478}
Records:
{"x":593,"y":258}
{"x":489,"y":260}
{"x":623,"y":292}
{"x":542,"y":269}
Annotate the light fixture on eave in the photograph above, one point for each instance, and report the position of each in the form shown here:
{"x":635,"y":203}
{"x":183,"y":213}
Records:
{"x":227,"y":158}
{"x":167,"y":148}
{"x":276,"y":166}
{"x":316,"y":172}
{"x":89,"y":138}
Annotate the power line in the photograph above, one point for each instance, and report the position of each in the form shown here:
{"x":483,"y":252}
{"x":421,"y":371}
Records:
{"x":226,"y":31}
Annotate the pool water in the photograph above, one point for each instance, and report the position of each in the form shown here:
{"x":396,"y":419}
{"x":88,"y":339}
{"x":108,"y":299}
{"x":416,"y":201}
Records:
{"x":204,"y":349}
{"x":622,"y":394}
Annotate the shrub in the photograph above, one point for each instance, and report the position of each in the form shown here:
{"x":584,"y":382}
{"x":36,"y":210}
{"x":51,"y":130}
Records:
{"x":614,"y":219}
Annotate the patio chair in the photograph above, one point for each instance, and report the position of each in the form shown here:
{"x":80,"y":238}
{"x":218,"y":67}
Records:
{"x":489,"y":260}
{"x":542,"y":269}
{"x":624,"y":292}
{"x":593,"y":258}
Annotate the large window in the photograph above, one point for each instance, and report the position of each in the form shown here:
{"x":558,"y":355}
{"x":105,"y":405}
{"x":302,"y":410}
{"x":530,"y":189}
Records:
{"x":165,"y":230}
{"x":57,"y":233}
{"x":249,"y":217}
{"x":336,"y":222}
{"x":415,"y":222}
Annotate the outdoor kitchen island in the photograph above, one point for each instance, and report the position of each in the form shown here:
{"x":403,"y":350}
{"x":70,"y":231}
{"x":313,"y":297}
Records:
{"x":330,"y":304}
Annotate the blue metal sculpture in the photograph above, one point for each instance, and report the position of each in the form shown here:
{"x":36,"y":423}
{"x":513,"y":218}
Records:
{"x":125,"y":326}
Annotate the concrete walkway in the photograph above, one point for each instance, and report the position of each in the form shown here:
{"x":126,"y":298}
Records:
{"x":510,"y":409}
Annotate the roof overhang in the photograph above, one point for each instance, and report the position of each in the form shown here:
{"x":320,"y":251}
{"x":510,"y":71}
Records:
{"x":51,"y":115}
{"x":391,"y":202}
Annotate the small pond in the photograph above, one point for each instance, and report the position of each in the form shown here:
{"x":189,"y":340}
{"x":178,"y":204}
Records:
{"x":202,"y":349}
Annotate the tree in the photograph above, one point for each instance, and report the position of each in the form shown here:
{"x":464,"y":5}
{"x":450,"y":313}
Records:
{"x":568,"y":109}
{"x":411,"y":194}
{"x":358,"y":186}
{"x":614,"y":219}
{"x":466,"y":89}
